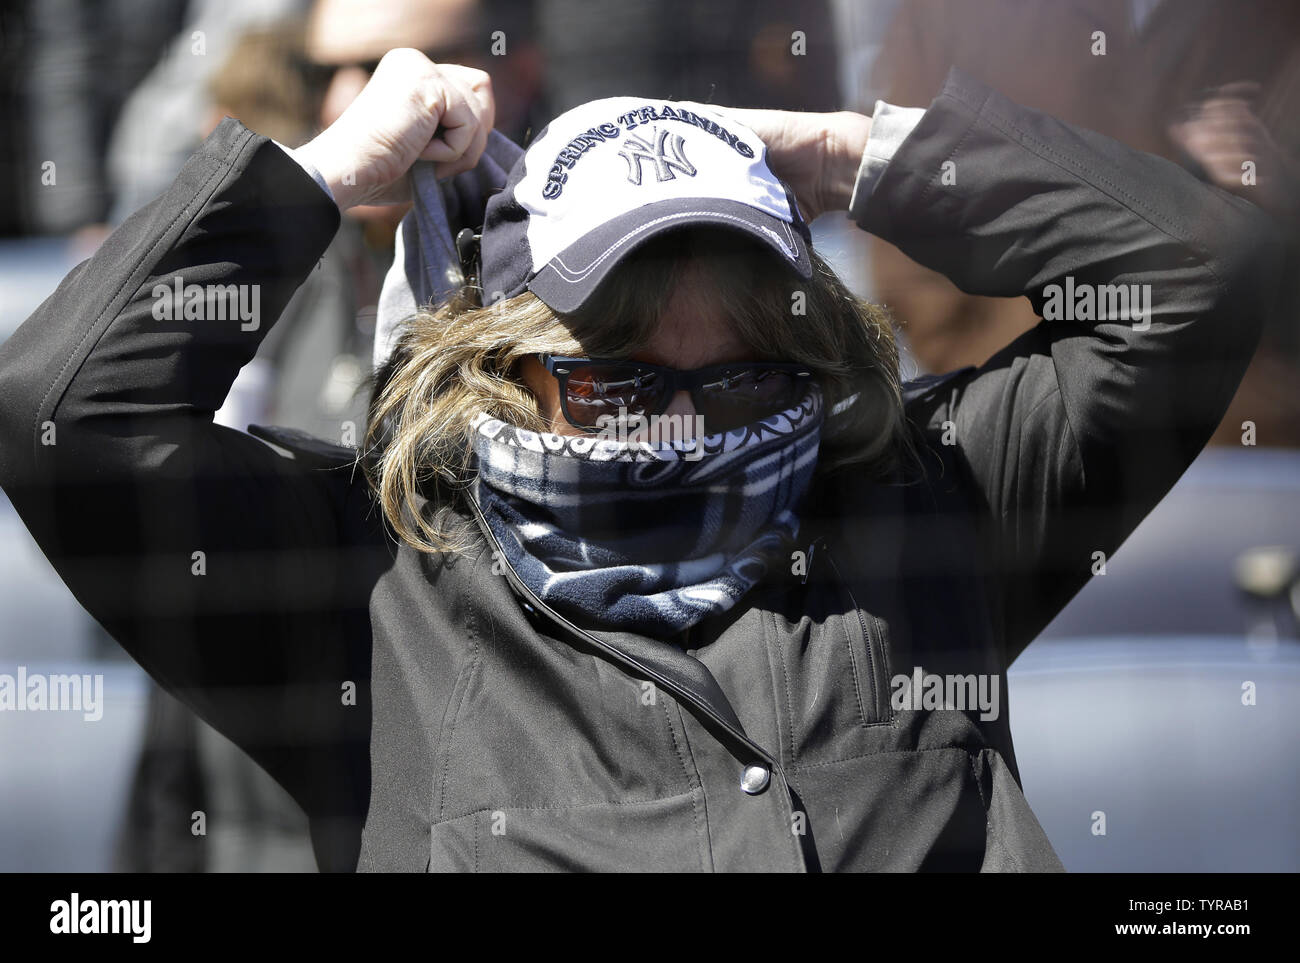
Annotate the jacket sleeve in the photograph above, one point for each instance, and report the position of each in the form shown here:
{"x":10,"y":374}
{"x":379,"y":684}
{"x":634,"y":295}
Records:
{"x":1071,"y":434}
{"x":203,"y":551}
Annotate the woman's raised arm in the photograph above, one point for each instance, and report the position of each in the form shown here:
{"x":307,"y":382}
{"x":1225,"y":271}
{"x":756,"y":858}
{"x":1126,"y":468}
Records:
{"x":1153,"y":287}
{"x":237,"y":577}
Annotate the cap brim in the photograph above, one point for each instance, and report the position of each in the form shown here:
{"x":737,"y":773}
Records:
{"x":572,"y":276}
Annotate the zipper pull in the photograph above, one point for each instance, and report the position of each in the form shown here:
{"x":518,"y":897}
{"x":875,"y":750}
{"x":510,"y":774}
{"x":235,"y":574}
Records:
{"x":819,"y":542}
{"x":812,"y":552}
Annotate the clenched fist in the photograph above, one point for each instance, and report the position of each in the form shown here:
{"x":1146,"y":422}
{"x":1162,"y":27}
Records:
{"x":412,"y":109}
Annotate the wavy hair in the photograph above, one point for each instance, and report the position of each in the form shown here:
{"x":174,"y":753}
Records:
{"x":457,"y":360}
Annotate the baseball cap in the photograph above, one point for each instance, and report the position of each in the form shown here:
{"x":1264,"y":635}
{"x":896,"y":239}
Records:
{"x":606,"y":176}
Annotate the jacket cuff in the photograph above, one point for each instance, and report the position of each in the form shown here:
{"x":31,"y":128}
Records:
{"x":890,"y":126}
{"x":311,"y":170}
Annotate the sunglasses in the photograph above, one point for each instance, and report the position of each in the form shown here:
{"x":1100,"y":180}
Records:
{"x":319,"y":74}
{"x":593,"y":391}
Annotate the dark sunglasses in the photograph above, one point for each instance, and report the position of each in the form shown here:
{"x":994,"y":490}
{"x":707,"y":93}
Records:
{"x":726,"y":395}
{"x":318,"y":75}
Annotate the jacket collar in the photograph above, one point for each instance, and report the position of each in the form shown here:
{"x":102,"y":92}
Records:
{"x":676,"y":672}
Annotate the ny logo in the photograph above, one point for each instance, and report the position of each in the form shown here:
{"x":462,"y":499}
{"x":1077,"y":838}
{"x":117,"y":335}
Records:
{"x":635,"y":150}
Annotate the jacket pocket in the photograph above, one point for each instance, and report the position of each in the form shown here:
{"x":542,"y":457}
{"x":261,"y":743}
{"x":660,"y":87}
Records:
{"x":447,"y":732}
{"x":829,"y":670}
{"x":868,"y":649}
{"x":650,"y":836}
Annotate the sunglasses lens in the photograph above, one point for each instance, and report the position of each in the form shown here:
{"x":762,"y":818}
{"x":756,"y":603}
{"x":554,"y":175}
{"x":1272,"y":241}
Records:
{"x":740,"y":397}
{"x":595,"y":391}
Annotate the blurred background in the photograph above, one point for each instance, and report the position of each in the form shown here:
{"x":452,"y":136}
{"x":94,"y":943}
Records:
{"x":1132,"y":702}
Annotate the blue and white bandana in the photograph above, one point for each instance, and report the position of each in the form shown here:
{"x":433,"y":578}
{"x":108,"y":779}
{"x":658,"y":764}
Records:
{"x":644,"y":537}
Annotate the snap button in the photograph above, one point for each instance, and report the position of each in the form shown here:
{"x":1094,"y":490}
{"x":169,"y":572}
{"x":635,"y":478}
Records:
{"x":755,"y":779}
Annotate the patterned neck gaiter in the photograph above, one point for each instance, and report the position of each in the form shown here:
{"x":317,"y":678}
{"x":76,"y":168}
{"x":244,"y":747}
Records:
{"x":642,"y":537}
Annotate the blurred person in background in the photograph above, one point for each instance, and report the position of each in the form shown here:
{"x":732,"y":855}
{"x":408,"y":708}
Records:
{"x":79,"y":62}
{"x":740,"y":52}
{"x":166,"y":115}
{"x":1207,"y":83}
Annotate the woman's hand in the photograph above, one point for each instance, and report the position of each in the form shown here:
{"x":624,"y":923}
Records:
{"x":816,"y":154}
{"x":412,"y":109}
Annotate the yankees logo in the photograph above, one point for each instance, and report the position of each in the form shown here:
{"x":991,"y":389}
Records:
{"x":635,"y":150}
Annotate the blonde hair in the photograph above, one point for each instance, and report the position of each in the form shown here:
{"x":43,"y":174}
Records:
{"x":451,"y":363}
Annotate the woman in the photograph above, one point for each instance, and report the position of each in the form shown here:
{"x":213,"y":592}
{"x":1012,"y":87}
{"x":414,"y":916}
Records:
{"x":515,"y":643}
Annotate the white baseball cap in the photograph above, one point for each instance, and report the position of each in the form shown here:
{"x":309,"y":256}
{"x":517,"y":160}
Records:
{"x":603,"y":178}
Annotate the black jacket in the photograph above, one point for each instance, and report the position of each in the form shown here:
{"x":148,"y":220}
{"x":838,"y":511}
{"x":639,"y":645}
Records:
{"x":487,"y":732}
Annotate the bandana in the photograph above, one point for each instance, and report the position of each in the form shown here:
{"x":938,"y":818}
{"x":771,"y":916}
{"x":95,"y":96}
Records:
{"x":644,"y":537}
